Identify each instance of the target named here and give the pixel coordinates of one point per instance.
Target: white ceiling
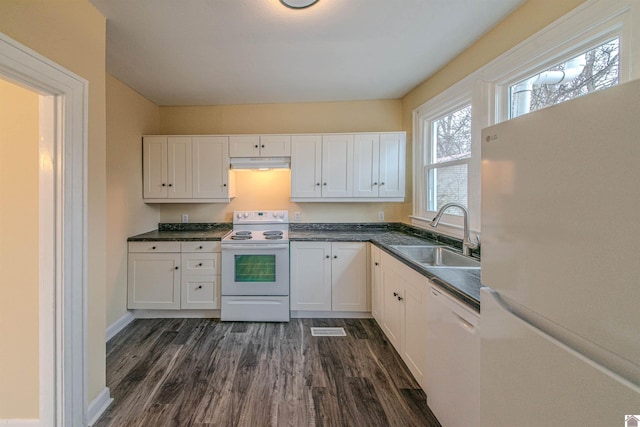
(213, 52)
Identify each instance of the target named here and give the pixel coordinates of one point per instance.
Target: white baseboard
(19, 423)
(98, 406)
(119, 325)
(176, 314)
(300, 314)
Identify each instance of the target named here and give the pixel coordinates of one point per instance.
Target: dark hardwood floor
(203, 372)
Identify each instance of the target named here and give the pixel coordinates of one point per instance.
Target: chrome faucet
(467, 244)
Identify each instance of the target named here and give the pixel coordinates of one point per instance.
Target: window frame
(590, 24)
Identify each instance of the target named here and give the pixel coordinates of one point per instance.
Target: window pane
(594, 70)
(447, 185)
(451, 136)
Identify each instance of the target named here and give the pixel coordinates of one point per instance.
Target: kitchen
(118, 211)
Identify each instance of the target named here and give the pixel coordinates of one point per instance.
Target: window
(595, 69)
(449, 151)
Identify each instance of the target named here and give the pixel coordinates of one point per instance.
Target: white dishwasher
(452, 371)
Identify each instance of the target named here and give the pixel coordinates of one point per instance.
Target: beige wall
(129, 115)
(270, 190)
(525, 21)
(18, 252)
(71, 33)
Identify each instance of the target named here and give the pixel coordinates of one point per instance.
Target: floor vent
(328, 332)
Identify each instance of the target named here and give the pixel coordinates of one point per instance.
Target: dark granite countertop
(464, 284)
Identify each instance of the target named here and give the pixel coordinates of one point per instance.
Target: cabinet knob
(395, 294)
(153, 247)
(262, 146)
(324, 183)
(177, 267)
(318, 184)
(224, 185)
(164, 185)
(399, 298)
(255, 146)
(170, 185)
(375, 183)
(335, 257)
(327, 256)
(200, 265)
(200, 287)
(376, 263)
(199, 247)
(382, 183)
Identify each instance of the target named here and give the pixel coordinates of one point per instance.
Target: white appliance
(560, 323)
(255, 268)
(452, 374)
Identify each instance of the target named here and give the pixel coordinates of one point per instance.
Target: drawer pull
(153, 247)
(200, 265)
(177, 267)
(200, 287)
(199, 247)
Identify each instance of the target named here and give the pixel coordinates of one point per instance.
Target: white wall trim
(98, 406)
(119, 325)
(63, 305)
(19, 423)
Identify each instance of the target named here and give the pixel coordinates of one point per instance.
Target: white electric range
(255, 267)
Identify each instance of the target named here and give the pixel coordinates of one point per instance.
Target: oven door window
(255, 268)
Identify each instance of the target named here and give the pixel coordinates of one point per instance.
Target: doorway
(61, 229)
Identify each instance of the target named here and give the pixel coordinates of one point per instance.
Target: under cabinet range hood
(260, 162)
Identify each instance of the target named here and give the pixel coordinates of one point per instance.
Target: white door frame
(63, 233)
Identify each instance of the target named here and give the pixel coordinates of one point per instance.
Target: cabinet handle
(327, 256)
(224, 185)
(153, 247)
(318, 184)
(170, 185)
(335, 257)
(199, 247)
(382, 183)
(395, 294)
(177, 267)
(164, 185)
(376, 264)
(200, 265)
(262, 146)
(399, 298)
(255, 146)
(375, 183)
(200, 287)
(324, 183)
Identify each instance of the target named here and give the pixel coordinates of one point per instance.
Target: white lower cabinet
(329, 276)
(404, 313)
(174, 275)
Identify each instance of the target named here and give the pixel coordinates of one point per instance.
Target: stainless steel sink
(436, 256)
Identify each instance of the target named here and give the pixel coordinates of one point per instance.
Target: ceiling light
(298, 4)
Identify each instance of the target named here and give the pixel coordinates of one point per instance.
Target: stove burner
(272, 233)
(243, 233)
(241, 237)
(273, 236)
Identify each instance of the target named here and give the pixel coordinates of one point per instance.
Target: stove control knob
(238, 215)
(246, 215)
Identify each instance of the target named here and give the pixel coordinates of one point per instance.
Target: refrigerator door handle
(600, 358)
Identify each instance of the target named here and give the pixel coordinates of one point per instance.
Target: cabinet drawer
(154, 247)
(201, 292)
(198, 264)
(200, 246)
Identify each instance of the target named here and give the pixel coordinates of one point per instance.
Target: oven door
(255, 269)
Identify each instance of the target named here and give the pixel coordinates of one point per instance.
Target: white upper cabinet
(185, 169)
(259, 146)
(359, 167)
(306, 166)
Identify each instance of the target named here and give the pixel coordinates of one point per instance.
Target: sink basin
(436, 256)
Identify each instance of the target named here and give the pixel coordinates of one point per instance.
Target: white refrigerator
(560, 310)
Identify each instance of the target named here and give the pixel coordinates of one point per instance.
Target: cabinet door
(306, 163)
(366, 164)
(392, 307)
(376, 283)
(349, 276)
(210, 167)
(311, 276)
(179, 167)
(154, 281)
(392, 165)
(275, 145)
(154, 167)
(337, 166)
(414, 342)
(244, 146)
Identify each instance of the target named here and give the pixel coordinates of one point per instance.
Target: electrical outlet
(296, 216)
(185, 218)
(381, 216)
